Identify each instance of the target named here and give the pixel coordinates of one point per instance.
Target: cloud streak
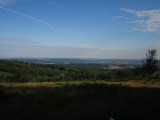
(145, 20)
(94, 46)
(27, 16)
(56, 4)
(6, 2)
(117, 17)
(14, 47)
(16, 41)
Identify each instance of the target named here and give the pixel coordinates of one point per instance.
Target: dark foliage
(82, 102)
(150, 63)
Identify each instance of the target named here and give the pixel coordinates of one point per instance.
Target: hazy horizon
(29, 58)
(97, 29)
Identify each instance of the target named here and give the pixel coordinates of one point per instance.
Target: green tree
(22, 76)
(150, 63)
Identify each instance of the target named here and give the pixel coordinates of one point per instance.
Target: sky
(105, 29)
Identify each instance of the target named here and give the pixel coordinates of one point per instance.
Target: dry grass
(59, 84)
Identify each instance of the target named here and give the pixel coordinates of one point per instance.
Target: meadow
(80, 100)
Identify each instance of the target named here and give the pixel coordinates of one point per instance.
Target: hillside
(16, 71)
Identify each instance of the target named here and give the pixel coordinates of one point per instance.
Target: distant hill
(77, 61)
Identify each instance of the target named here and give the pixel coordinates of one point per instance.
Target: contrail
(35, 19)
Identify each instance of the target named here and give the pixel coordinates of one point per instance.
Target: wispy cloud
(93, 46)
(56, 4)
(27, 16)
(145, 20)
(14, 47)
(127, 10)
(117, 17)
(6, 2)
(16, 41)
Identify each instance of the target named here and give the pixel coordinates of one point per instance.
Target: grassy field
(80, 100)
(77, 83)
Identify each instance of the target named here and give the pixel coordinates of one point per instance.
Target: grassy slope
(78, 100)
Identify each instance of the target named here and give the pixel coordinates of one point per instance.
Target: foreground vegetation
(134, 84)
(78, 100)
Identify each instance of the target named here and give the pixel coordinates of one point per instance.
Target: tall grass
(78, 100)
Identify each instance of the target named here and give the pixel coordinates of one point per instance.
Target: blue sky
(122, 29)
